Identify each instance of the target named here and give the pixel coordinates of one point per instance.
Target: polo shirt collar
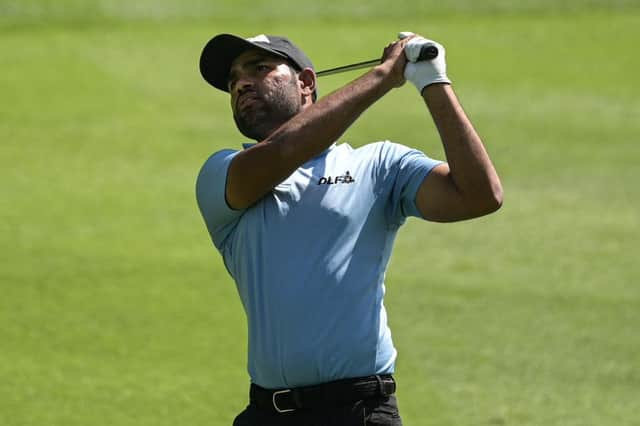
(247, 145)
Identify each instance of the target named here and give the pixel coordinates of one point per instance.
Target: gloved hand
(424, 73)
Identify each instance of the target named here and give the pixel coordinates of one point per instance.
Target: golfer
(305, 224)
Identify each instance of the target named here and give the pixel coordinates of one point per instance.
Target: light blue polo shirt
(309, 260)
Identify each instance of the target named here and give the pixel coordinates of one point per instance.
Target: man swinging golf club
(306, 225)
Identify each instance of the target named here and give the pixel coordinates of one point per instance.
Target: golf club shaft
(427, 53)
(345, 68)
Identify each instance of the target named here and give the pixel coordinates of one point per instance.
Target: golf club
(427, 53)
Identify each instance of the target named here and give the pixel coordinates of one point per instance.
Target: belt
(329, 394)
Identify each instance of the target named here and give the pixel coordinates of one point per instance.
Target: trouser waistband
(329, 394)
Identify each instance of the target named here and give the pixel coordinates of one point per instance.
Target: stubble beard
(276, 107)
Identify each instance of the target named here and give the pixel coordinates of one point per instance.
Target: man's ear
(307, 79)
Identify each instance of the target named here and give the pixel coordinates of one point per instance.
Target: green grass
(284, 11)
(116, 309)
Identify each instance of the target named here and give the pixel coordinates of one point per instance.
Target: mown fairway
(115, 309)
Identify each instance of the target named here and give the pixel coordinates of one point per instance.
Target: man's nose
(243, 85)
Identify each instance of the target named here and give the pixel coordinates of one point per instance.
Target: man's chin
(258, 124)
(255, 132)
(258, 137)
(255, 127)
(248, 126)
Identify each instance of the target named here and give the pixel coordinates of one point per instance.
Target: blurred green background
(115, 309)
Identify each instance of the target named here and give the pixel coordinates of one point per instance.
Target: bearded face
(264, 94)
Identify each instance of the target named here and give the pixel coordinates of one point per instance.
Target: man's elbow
(494, 199)
(485, 202)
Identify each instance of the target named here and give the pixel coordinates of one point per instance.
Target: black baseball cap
(223, 49)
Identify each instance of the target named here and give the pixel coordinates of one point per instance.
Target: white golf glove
(424, 73)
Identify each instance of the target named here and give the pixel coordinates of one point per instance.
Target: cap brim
(218, 55)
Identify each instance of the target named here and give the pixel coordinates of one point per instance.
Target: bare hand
(394, 61)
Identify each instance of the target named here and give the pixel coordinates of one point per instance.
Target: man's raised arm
(467, 186)
(257, 170)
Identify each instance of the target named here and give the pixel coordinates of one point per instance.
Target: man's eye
(262, 68)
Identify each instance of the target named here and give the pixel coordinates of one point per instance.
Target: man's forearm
(257, 170)
(313, 130)
(472, 171)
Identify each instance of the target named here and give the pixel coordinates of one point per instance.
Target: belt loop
(384, 390)
(379, 380)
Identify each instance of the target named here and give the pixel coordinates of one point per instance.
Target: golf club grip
(427, 52)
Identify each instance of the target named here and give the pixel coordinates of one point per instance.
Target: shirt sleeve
(210, 194)
(407, 169)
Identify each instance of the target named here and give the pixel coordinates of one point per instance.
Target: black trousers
(381, 411)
